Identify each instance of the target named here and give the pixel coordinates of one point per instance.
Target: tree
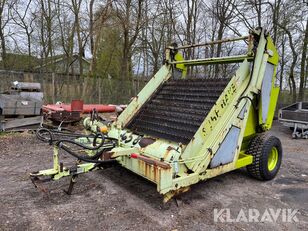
(293, 64)
(76, 4)
(65, 23)
(45, 24)
(303, 61)
(223, 11)
(5, 7)
(109, 52)
(97, 23)
(153, 37)
(129, 14)
(91, 25)
(25, 21)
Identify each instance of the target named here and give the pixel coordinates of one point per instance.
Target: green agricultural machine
(180, 130)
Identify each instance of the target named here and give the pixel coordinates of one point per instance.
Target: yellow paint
(179, 57)
(251, 123)
(272, 107)
(272, 159)
(243, 160)
(274, 59)
(103, 129)
(219, 108)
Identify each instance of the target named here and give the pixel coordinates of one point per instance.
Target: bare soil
(116, 199)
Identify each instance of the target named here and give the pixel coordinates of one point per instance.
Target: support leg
(71, 186)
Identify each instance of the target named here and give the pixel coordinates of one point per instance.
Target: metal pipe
(215, 60)
(214, 42)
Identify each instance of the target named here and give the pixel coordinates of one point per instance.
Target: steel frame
(173, 167)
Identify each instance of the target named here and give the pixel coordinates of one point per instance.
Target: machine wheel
(267, 154)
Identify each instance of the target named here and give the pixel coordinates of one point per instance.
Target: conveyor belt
(178, 108)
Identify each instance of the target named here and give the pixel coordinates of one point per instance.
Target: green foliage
(20, 62)
(109, 53)
(285, 97)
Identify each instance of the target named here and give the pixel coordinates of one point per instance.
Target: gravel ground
(116, 199)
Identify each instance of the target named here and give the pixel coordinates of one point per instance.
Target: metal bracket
(71, 185)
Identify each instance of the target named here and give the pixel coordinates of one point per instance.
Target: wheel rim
(272, 159)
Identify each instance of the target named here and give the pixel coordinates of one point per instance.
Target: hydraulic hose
(39, 135)
(98, 135)
(79, 157)
(53, 133)
(60, 143)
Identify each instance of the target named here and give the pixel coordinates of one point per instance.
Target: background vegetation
(125, 39)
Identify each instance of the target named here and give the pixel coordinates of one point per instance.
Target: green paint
(189, 163)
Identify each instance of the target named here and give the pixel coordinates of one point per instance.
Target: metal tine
(178, 108)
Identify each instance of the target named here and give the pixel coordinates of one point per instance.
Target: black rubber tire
(260, 148)
(298, 129)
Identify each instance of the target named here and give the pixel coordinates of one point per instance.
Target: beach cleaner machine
(181, 130)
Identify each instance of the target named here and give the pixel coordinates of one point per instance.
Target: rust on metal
(38, 183)
(65, 116)
(173, 193)
(213, 42)
(153, 162)
(168, 152)
(151, 172)
(106, 155)
(146, 141)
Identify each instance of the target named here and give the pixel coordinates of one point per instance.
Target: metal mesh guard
(177, 109)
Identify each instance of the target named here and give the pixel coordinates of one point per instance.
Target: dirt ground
(116, 199)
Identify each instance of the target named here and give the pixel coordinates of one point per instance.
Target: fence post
(53, 88)
(99, 90)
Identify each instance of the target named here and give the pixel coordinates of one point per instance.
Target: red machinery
(70, 113)
(77, 105)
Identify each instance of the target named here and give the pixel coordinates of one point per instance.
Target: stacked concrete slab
(20, 107)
